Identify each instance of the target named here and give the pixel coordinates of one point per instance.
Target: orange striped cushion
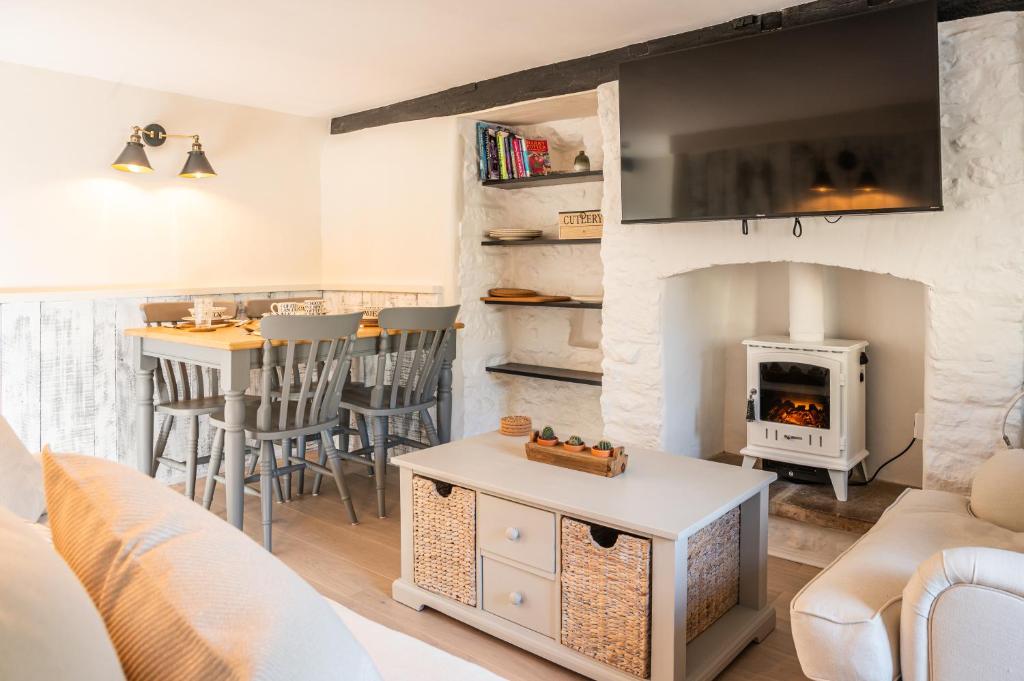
(185, 595)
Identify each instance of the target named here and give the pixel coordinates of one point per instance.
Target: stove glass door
(794, 393)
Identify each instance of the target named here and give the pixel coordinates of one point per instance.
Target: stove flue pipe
(806, 302)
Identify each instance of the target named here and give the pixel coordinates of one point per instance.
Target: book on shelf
(503, 154)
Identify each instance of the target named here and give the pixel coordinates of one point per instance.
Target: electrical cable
(832, 222)
(745, 227)
(861, 483)
(798, 228)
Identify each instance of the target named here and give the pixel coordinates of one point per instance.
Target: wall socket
(919, 425)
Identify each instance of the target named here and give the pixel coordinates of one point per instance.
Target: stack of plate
(516, 426)
(514, 234)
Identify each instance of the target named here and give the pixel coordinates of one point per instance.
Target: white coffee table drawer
(521, 533)
(519, 596)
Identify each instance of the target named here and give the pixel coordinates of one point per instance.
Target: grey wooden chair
(255, 308)
(322, 348)
(183, 392)
(406, 380)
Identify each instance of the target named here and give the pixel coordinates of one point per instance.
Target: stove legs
(838, 479)
(749, 461)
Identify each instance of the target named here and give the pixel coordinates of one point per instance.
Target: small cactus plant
(575, 444)
(548, 433)
(604, 446)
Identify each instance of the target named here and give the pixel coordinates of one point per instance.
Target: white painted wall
(390, 198)
(68, 220)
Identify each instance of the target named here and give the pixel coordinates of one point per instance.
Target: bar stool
(405, 383)
(320, 349)
(183, 393)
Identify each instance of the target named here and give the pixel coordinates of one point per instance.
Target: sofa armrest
(961, 617)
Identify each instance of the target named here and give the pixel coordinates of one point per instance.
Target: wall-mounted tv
(835, 117)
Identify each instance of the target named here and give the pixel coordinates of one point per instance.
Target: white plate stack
(511, 234)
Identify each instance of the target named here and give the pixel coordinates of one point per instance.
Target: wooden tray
(511, 292)
(605, 466)
(524, 299)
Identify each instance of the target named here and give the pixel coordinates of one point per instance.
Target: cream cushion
(21, 484)
(49, 629)
(846, 620)
(997, 493)
(184, 594)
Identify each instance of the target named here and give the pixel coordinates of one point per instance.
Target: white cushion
(21, 481)
(402, 658)
(49, 629)
(184, 594)
(846, 620)
(997, 493)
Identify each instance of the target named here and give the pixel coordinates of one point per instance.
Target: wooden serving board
(605, 466)
(524, 299)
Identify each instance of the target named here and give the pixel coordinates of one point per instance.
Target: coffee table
(515, 526)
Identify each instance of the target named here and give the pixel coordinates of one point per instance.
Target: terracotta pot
(574, 448)
(604, 453)
(547, 443)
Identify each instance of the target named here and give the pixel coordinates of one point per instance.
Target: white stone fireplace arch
(968, 257)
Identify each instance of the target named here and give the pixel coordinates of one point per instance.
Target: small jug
(582, 163)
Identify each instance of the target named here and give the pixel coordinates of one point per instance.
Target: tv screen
(835, 117)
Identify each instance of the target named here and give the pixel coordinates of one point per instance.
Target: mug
(315, 307)
(286, 308)
(202, 312)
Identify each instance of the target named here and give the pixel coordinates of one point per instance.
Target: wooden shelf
(545, 180)
(549, 373)
(569, 304)
(541, 242)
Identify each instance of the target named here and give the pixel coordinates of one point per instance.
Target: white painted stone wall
(969, 257)
(545, 336)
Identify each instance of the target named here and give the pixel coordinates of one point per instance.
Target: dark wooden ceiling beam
(586, 73)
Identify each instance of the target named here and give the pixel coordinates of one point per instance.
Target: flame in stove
(799, 410)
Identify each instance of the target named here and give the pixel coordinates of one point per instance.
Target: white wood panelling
(66, 376)
(19, 352)
(66, 371)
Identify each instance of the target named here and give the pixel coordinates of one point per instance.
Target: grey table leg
(234, 379)
(144, 367)
(444, 401)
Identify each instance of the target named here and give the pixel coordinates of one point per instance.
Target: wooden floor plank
(355, 565)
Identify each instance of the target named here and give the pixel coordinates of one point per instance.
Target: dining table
(235, 351)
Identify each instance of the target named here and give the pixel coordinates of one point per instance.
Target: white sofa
(931, 592)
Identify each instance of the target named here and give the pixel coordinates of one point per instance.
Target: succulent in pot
(575, 444)
(547, 437)
(602, 448)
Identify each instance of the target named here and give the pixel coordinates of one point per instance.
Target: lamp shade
(196, 165)
(133, 159)
(822, 181)
(867, 182)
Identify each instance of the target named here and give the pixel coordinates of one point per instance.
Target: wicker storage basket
(444, 539)
(606, 596)
(712, 573)
(606, 588)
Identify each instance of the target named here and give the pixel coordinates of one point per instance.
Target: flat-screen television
(829, 118)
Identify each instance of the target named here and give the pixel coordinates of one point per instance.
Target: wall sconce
(133, 159)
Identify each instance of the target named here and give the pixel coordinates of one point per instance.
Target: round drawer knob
(515, 598)
(512, 534)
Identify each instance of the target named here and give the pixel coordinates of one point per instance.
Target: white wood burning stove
(806, 404)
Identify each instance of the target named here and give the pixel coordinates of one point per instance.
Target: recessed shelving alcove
(540, 359)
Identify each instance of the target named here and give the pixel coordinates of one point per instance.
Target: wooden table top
(226, 338)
